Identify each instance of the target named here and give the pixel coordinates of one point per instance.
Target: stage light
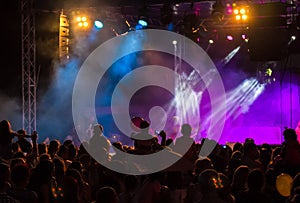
(268, 72)
(229, 8)
(229, 37)
(83, 19)
(242, 11)
(244, 36)
(293, 37)
(85, 24)
(211, 41)
(143, 23)
(244, 17)
(98, 24)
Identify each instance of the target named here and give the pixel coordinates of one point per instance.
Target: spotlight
(242, 11)
(229, 8)
(293, 37)
(83, 18)
(211, 41)
(268, 72)
(236, 11)
(265, 73)
(229, 37)
(85, 24)
(98, 24)
(244, 17)
(143, 23)
(82, 21)
(244, 36)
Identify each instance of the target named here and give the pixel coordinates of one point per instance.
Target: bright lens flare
(78, 19)
(236, 11)
(242, 11)
(83, 18)
(244, 17)
(85, 24)
(80, 24)
(238, 17)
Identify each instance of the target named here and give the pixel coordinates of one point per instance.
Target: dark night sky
(10, 39)
(10, 78)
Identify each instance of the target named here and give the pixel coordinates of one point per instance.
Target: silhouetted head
(207, 179)
(256, 180)
(106, 195)
(238, 147)
(289, 134)
(53, 147)
(136, 123)
(5, 126)
(98, 129)
(144, 125)
(240, 176)
(186, 129)
(20, 174)
(251, 151)
(202, 164)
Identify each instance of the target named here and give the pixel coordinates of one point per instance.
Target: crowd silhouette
(65, 173)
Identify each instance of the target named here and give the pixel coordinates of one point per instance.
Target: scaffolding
(28, 66)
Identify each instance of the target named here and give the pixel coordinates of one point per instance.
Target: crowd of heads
(63, 172)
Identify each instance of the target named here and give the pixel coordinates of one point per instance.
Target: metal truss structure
(29, 82)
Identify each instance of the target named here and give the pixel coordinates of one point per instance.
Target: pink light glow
(229, 10)
(229, 37)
